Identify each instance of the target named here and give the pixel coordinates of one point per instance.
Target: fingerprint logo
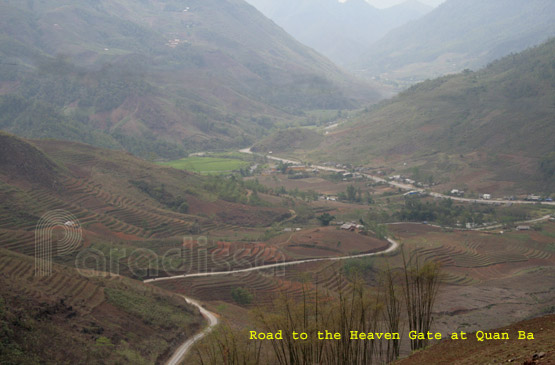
(56, 231)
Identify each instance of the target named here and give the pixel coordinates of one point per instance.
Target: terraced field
(481, 255)
(297, 281)
(77, 309)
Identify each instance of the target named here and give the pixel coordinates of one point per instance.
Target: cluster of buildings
(350, 226)
(406, 180)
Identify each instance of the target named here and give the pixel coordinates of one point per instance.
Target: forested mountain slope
(497, 123)
(159, 76)
(460, 34)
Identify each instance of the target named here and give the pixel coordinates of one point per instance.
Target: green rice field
(207, 165)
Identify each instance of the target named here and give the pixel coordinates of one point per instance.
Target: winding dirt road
(393, 246)
(182, 350)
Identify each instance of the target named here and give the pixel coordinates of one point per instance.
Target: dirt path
(393, 246)
(182, 350)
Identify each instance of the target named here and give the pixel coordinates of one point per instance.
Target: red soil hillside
(68, 317)
(540, 350)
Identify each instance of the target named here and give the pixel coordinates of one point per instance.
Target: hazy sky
(388, 3)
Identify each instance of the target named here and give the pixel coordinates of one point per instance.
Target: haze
(176, 175)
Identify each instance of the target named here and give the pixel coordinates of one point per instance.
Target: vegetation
(353, 195)
(159, 311)
(420, 286)
(289, 140)
(455, 37)
(207, 164)
(446, 213)
(241, 296)
(86, 320)
(356, 310)
(455, 126)
(120, 83)
(325, 219)
(162, 196)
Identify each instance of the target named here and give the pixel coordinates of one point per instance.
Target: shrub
(241, 296)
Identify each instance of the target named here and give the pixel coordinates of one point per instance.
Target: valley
(269, 246)
(185, 182)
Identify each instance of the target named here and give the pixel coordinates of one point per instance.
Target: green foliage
(226, 188)
(160, 194)
(241, 296)
(153, 310)
(446, 213)
(505, 108)
(37, 119)
(207, 164)
(359, 267)
(183, 207)
(352, 194)
(104, 341)
(325, 219)
(304, 213)
(129, 89)
(13, 331)
(547, 166)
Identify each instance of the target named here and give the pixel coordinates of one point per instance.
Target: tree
(351, 193)
(184, 207)
(241, 296)
(325, 219)
(420, 288)
(282, 167)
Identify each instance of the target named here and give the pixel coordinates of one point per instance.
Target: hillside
(159, 77)
(289, 140)
(537, 351)
(142, 201)
(68, 317)
(341, 31)
(457, 35)
(490, 129)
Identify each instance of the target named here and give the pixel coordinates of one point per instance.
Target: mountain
(339, 30)
(164, 76)
(489, 129)
(459, 34)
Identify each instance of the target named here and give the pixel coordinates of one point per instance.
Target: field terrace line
(185, 347)
(394, 245)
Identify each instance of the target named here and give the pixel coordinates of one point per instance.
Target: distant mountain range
(459, 34)
(341, 31)
(158, 77)
(492, 128)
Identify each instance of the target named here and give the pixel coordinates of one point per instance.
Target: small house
(348, 227)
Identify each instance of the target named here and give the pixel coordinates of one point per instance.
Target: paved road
(493, 226)
(408, 187)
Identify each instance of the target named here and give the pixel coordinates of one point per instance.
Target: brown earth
(326, 241)
(540, 350)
